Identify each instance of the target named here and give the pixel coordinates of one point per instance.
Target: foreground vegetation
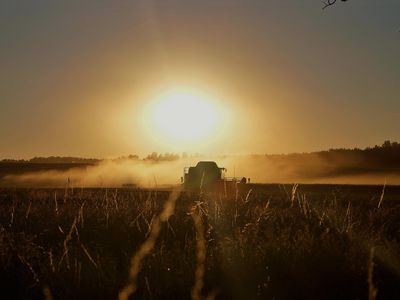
(272, 242)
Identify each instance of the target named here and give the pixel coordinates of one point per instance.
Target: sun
(184, 116)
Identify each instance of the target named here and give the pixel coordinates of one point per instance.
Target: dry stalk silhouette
(89, 256)
(382, 195)
(148, 245)
(47, 293)
(200, 254)
(68, 238)
(201, 251)
(372, 290)
(292, 198)
(30, 267)
(318, 222)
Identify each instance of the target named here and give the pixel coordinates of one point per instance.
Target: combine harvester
(207, 176)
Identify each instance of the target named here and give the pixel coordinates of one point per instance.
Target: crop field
(268, 242)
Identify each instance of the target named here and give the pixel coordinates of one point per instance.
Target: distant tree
(152, 156)
(58, 159)
(8, 160)
(170, 156)
(161, 157)
(387, 144)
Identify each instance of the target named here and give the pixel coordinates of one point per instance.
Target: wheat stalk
(382, 194)
(372, 290)
(147, 246)
(200, 255)
(294, 189)
(47, 293)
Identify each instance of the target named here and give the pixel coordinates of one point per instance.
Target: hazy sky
(75, 76)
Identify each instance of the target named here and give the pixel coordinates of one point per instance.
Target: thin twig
(328, 3)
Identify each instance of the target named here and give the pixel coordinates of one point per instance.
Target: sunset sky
(82, 78)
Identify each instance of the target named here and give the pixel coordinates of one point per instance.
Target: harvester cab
(206, 175)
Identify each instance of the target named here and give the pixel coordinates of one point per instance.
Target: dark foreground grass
(277, 242)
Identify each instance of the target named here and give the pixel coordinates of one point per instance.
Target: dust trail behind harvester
(146, 173)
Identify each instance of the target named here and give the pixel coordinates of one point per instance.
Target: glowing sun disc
(184, 115)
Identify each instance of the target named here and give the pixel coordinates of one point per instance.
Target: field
(272, 242)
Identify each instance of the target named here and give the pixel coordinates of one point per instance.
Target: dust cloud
(104, 174)
(146, 173)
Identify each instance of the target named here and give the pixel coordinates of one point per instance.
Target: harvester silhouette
(207, 176)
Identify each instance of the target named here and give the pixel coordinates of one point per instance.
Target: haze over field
(377, 165)
(111, 175)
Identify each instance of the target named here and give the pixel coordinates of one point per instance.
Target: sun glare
(185, 116)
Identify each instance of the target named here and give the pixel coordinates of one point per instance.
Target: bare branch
(328, 3)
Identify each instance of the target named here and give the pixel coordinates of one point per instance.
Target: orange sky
(76, 78)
